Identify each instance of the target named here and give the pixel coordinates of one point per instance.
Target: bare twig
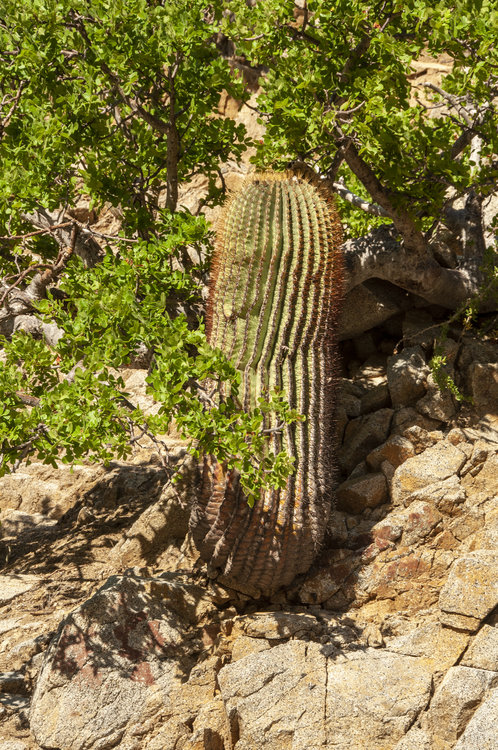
(253, 38)
(345, 114)
(47, 230)
(356, 200)
(15, 102)
(27, 400)
(20, 278)
(87, 247)
(353, 58)
(463, 140)
(112, 237)
(203, 394)
(272, 430)
(336, 164)
(39, 284)
(454, 101)
(25, 448)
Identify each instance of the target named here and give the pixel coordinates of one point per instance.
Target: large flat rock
(120, 659)
(295, 672)
(301, 695)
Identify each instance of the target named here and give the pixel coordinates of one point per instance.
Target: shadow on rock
(87, 530)
(124, 652)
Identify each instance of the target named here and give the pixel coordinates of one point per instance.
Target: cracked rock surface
(327, 700)
(113, 636)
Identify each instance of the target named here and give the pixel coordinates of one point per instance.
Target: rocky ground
(112, 636)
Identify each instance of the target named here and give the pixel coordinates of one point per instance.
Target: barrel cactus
(273, 307)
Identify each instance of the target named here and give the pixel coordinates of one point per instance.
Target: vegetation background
(118, 103)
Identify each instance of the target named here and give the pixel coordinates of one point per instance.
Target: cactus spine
(274, 292)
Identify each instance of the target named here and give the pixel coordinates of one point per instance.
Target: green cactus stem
(273, 309)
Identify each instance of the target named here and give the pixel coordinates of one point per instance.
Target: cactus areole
(273, 308)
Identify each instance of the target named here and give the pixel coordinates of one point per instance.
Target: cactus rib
(273, 307)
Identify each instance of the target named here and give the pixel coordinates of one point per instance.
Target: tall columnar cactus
(273, 308)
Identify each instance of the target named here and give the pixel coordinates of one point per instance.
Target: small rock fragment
(471, 590)
(483, 650)
(396, 450)
(362, 435)
(437, 403)
(15, 585)
(434, 464)
(406, 375)
(483, 377)
(368, 491)
(375, 398)
(422, 518)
